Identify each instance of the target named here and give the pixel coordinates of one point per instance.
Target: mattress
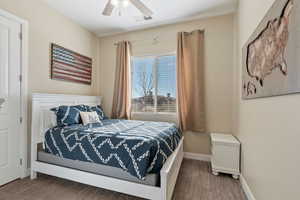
(150, 179)
(136, 147)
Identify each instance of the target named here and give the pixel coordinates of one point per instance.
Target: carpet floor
(195, 182)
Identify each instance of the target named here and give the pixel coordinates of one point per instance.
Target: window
(154, 84)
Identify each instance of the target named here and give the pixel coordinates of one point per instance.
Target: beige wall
(268, 128)
(218, 70)
(47, 26)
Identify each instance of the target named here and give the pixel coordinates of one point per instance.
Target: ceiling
(88, 13)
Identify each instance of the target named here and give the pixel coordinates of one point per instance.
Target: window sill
(155, 113)
(152, 116)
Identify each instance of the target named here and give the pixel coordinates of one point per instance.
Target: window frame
(155, 84)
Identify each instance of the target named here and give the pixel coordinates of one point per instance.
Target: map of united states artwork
(271, 56)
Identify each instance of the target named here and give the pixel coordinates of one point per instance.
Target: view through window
(154, 84)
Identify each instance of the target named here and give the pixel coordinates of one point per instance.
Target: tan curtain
(190, 83)
(122, 89)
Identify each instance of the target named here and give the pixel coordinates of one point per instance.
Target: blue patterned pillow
(99, 111)
(68, 115)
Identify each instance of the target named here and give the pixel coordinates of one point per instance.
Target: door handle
(2, 100)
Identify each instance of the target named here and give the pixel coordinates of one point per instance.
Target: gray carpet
(195, 182)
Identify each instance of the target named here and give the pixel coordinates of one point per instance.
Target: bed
(132, 157)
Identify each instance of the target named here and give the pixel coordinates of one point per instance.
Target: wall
(268, 128)
(218, 70)
(47, 26)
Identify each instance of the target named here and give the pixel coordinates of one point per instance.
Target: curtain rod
(154, 40)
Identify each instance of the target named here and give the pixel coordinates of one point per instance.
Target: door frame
(24, 172)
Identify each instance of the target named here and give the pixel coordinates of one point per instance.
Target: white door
(10, 46)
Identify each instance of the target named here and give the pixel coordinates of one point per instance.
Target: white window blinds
(154, 84)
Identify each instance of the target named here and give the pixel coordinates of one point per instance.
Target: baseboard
(197, 156)
(246, 188)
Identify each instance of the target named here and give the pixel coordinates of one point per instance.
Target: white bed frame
(168, 174)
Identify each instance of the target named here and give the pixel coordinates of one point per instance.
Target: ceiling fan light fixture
(125, 3)
(115, 3)
(120, 3)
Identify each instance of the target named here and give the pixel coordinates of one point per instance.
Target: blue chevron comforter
(135, 146)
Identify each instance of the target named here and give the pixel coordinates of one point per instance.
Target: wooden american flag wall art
(68, 65)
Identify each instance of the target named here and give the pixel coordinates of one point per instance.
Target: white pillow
(49, 119)
(89, 117)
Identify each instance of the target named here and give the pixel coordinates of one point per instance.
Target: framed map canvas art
(271, 56)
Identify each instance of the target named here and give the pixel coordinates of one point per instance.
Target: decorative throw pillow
(99, 111)
(50, 119)
(68, 115)
(89, 117)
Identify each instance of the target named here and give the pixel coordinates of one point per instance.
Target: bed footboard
(169, 172)
(168, 175)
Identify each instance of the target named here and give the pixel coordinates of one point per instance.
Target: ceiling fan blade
(108, 9)
(142, 7)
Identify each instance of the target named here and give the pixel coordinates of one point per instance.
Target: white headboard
(42, 102)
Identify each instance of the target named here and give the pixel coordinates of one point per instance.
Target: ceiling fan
(112, 4)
